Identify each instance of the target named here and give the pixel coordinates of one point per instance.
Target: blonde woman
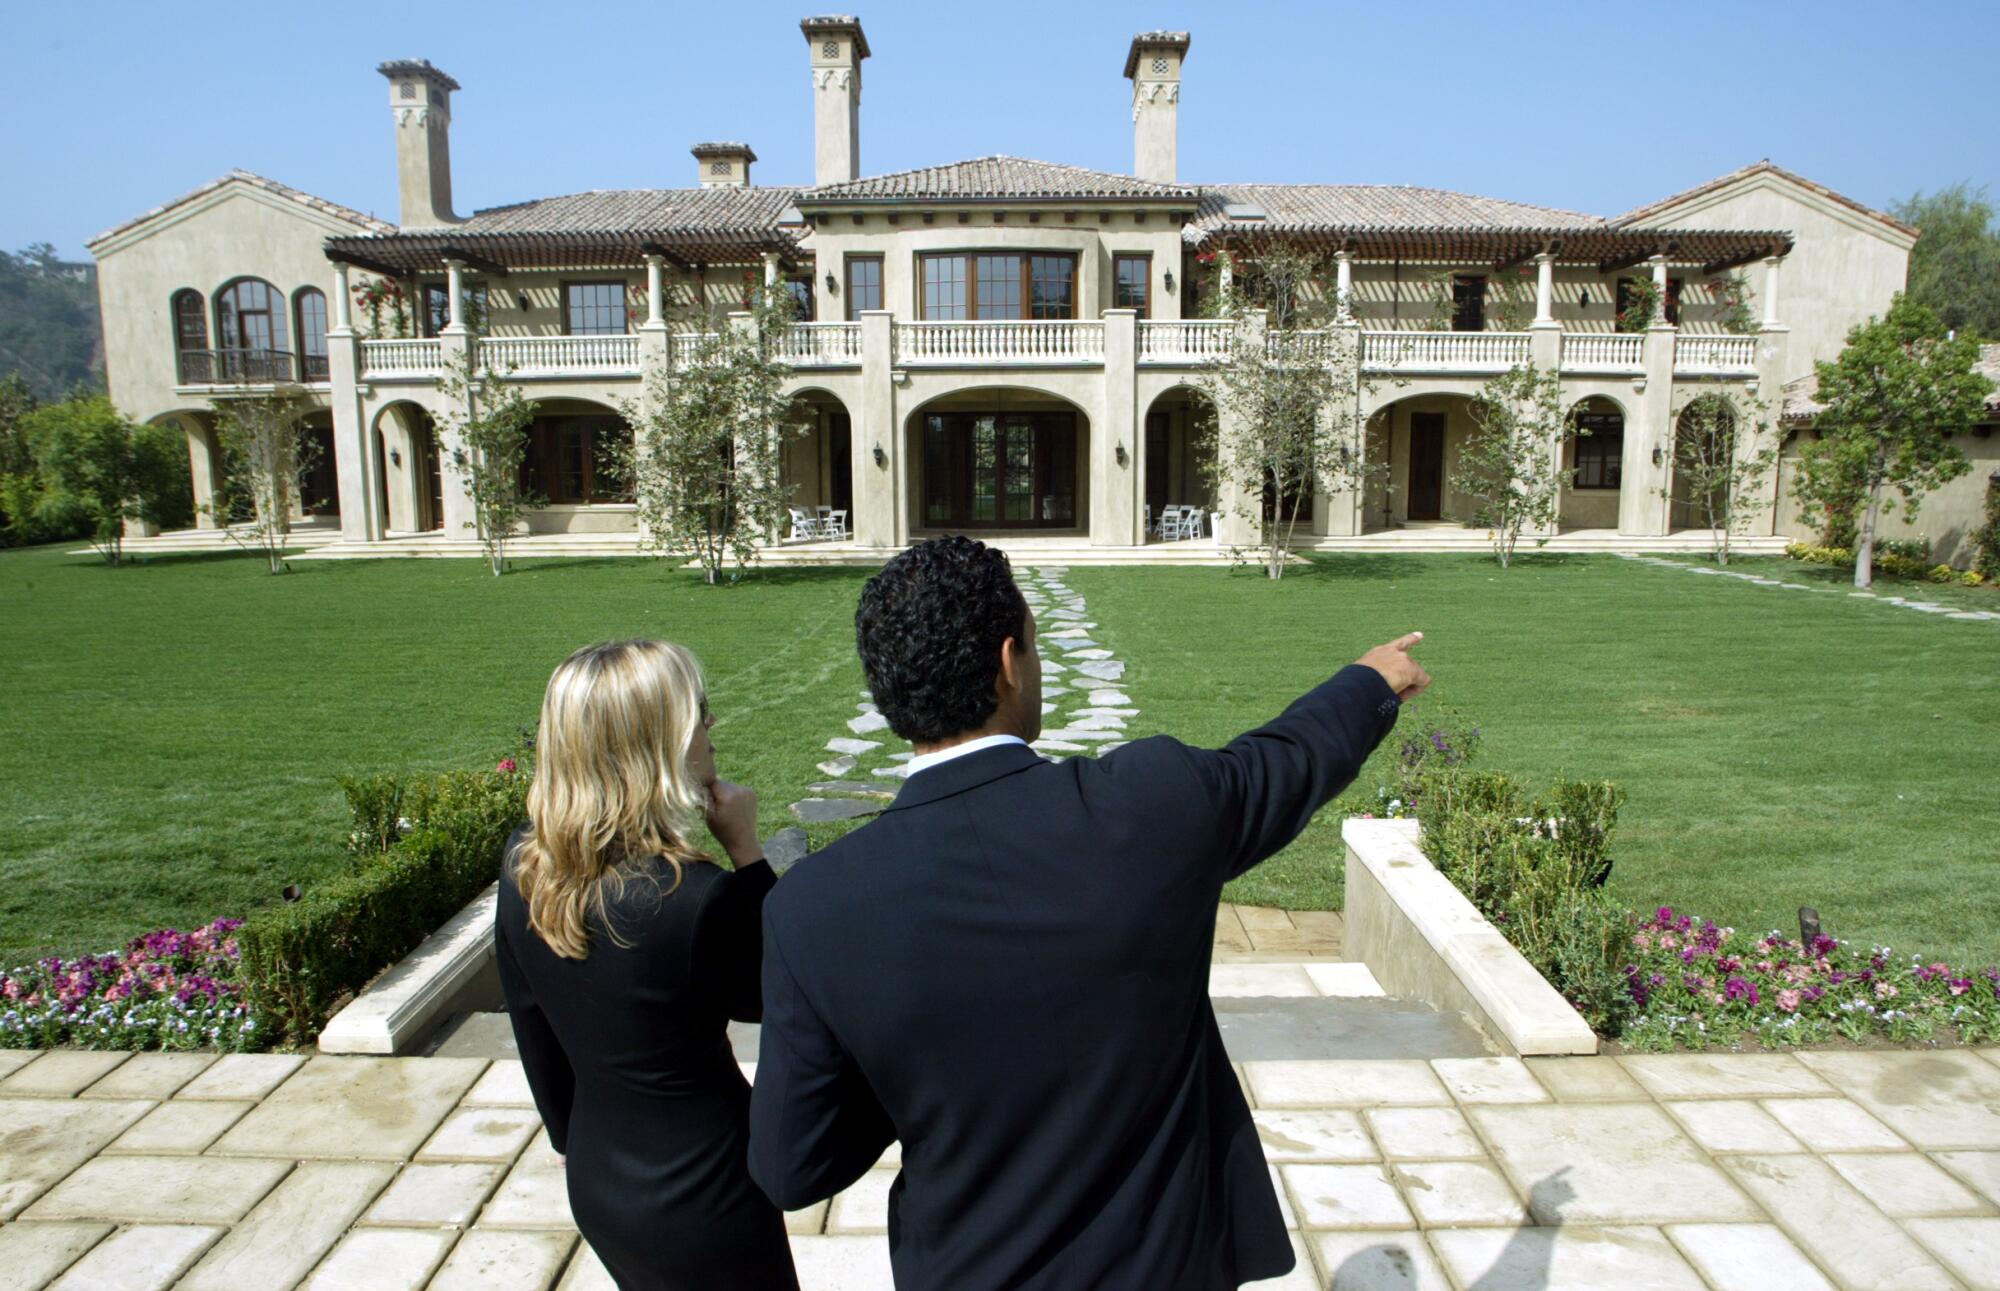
(625, 950)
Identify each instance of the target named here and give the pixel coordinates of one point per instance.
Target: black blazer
(627, 1055)
(1008, 971)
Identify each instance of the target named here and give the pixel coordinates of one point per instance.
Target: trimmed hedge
(303, 960)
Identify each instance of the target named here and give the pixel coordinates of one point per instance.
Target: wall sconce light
(882, 458)
(832, 284)
(1583, 298)
(1656, 454)
(1121, 452)
(1170, 282)
(521, 299)
(395, 457)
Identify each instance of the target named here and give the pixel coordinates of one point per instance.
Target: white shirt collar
(925, 761)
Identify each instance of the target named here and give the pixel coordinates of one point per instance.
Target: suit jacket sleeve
(815, 1125)
(550, 1078)
(728, 944)
(1268, 783)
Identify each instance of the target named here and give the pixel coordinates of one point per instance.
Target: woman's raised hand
(732, 818)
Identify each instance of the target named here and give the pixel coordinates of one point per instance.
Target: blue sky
(113, 108)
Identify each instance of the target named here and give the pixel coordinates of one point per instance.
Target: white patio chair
(1170, 523)
(1191, 522)
(804, 527)
(834, 526)
(1150, 527)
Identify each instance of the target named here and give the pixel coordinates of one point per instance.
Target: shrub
(301, 960)
(1906, 557)
(1986, 538)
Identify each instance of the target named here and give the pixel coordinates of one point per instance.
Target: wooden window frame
(1608, 466)
(624, 290)
(881, 281)
(1027, 257)
(1145, 305)
(310, 371)
(273, 310)
(1477, 301)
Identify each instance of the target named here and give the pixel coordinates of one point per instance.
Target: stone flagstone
(1344, 1196)
(819, 810)
(150, 1075)
(535, 1193)
(1728, 1075)
(32, 1254)
(292, 1228)
(1103, 669)
(867, 722)
(1746, 1257)
(586, 1272)
(1586, 1079)
(182, 1126)
(348, 1108)
(873, 788)
(1489, 1080)
(1971, 1247)
(1450, 1194)
(1336, 1136)
(1905, 1185)
(482, 1134)
(487, 1259)
(42, 1140)
(145, 1257)
(1398, 1260)
(1345, 1082)
(1732, 1125)
(839, 766)
(1832, 1125)
(161, 1190)
(845, 745)
(1531, 1259)
(435, 1196)
(60, 1073)
(505, 1084)
(376, 1259)
(1617, 1163)
(1938, 1100)
(1980, 1170)
(1850, 1238)
(242, 1075)
(843, 1262)
(864, 1206)
(1414, 1133)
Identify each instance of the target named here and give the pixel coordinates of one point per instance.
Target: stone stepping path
(1085, 710)
(1759, 580)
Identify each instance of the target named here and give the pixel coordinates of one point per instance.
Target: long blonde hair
(612, 786)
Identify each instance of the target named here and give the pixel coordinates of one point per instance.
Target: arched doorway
(816, 461)
(1704, 433)
(1180, 460)
(1593, 465)
(1000, 460)
(319, 478)
(577, 465)
(1420, 438)
(410, 478)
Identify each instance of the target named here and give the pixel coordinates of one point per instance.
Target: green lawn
(1779, 747)
(170, 733)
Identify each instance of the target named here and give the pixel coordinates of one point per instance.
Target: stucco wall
(1946, 518)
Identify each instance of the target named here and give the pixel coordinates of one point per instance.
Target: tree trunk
(1864, 542)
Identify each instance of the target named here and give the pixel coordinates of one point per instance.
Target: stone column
(1338, 513)
(1241, 523)
(204, 469)
(655, 362)
(770, 268)
(343, 303)
(878, 519)
(1649, 438)
(1545, 352)
(656, 290)
(1773, 370)
(454, 307)
(1659, 267)
(1343, 263)
(355, 461)
(461, 517)
(1117, 473)
(1771, 264)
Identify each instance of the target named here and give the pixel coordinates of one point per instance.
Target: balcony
(820, 345)
(1443, 351)
(1176, 344)
(1040, 343)
(561, 356)
(1620, 353)
(402, 360)
(1715, 356)
(237, 367)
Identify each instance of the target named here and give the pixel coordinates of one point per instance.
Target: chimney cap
(1175, 40)
(837, 24)
(420, 68)
(724, 148)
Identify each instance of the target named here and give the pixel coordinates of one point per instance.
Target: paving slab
(1337, 1136)
(864, 1206)
(1571, 1258)
(836, 766)
(482, 1134)
(285, 1236)
(161, 1190)
(820, 810)
(868, 723)
(1733, 1125)
(144, 1257)
(487, 1259)
(354, 1108)
(505, 1084)
(1730, 1075)
(786, 848)
(1969, 1247)
(43, 1139)
(853, 747)
(435, 1195)
(1853, 1242)
(807, 1220)
(1617, 1163)
(1906, 1185)
(871, 788)
(1939, 1100)
(1301, 1278)
(843, 1262)
(381, 1259)
(1747, 1257)
(150, 1075)
(535, 1193)
(1979, 1170)
(1260, 981)
(178, 1128)
(1458, 1194)
(33, 1254)
(1356, 1082)
(1489, 1080)
(1429, 1133)
(12, 1060)
(1356, 1260)
(60, 1073)
(243, 1075)
(1345, 1196)
(1347, 981)
(1833, 1125)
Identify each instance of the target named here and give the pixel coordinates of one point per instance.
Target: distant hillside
(49, 329)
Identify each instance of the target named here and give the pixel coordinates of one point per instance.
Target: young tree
(1284, 413)
(487, 429)
(91, 458)
(1713, 465)
(1955, 265)
(264, 458)
(703, 462)
(1895, 396)
(1510, 465)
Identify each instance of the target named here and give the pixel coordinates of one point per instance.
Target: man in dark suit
(1008, 969)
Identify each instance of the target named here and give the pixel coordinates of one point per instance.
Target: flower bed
(1694, 985)
(166, 990)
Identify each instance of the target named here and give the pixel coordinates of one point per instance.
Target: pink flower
(1668, 941)
(509, 765)
(1886, 991)
(1788, 1001)
(1642, 940)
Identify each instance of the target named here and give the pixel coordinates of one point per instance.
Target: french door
(1000, 470)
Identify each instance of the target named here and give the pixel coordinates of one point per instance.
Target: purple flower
(1738, 989)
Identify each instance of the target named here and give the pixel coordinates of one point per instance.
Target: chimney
(837, 50)
(723, 165)
(420, 96)
(1153, 65)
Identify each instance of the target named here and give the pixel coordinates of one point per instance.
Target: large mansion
(993, 344)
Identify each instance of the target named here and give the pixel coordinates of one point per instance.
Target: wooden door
(1426, 465)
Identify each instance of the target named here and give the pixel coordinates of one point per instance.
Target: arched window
(250, 335)
(311, 306)
(191, 358)
(1599, 428)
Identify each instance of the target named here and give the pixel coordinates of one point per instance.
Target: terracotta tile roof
(998, 178)
(1799, 398)
(320, 204)
(1327, 207)
(1640, 214)
(636, 209)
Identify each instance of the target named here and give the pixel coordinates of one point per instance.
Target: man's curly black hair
(929, 629)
